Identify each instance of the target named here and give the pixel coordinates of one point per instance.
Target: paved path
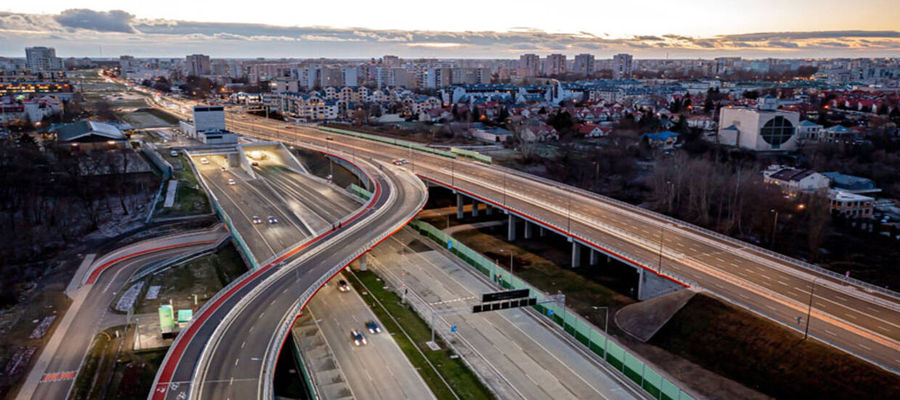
(89, 313)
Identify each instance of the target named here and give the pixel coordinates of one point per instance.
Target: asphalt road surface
(865, 324)
(519, 353)
(264, 300)
(377, 370)
(91, 315)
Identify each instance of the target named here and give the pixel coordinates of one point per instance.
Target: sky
(462, 28)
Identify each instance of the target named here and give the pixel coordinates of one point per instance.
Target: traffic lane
(376, 370)
(242, 202)
(276, 297)
(855, 311)
(304, 276)
(314, 194)
(527, 353)
(90, 317)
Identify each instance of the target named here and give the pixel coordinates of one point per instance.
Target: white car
(173, 153)
(231, 181)
(204, 161)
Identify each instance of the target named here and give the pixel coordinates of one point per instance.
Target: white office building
(209, 126)
(764, 128)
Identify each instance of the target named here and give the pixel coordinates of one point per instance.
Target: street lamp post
(662, 229)
(812, 290)
(774, 226)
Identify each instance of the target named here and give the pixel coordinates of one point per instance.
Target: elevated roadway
(229, 350)
(862, 320)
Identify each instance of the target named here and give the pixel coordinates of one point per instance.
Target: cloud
(101, 21)
(80, 31)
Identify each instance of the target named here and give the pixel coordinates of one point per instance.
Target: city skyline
(85, 32)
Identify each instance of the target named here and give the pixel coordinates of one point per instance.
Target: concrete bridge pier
(488, 210)
(529, 230)
(651, 285)
(541, 231)
(459, 206)
(576, 254)
(595, 257)
(474, 208)
(363, 262)
(511, 228)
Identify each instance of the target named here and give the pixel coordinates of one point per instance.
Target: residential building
(390, 61)
(350, 76)
(42, 59)
(435, 78)
(197, 65)
(622, 66)
(809, 130)
(851, 205)
(793, 181)
(584, 64)
(764, 128)
(530, 64)
(555, 64)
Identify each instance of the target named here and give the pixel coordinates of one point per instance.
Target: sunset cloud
(81, 31)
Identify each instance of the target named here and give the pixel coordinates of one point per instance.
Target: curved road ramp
(231, 347)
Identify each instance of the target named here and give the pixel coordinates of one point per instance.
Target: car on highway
(329, 138)
(173, 153)
(231, 181)
(343, 286)
(273, 220)
(400, 161)
(204, 161)
(358, 338)
(373, 327)
(256, 219)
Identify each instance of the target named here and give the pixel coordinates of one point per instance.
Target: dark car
(343, 286)
(373, 327)
(357, 337)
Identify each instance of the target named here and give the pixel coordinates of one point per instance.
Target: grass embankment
(112, 371)
(203, 276)
(769, 358)
(190, 199)
(581, 287)
(400, 320)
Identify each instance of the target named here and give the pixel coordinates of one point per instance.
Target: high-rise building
(584, 64)
(555, 64)
(350, 76)
(622, 66)
(435, 78)
(391, 61)
(42, 59)
(196, 65)
(530, 64)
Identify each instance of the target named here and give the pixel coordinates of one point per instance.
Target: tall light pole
(568, 213)
(662, 229)
(812, 290)
(774, 226)
(504, 186)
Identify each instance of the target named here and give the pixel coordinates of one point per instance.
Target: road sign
(449, 245)
(503, 305)
(505, 295)
(549, 312)
(453, 328)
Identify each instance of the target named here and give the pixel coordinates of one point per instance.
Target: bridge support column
(488, 210)
(511, 228)
(651, 285)
(474, 208)
(595, 257)
(363, 262)
(459, 206)
(529, 229)
(541, 231)
(576, 254)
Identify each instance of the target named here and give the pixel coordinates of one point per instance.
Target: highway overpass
(230, 349)
(848, 314)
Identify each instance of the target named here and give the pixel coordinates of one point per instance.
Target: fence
(395, 142)
(355, 189)
(576, 326)
(471, 154)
